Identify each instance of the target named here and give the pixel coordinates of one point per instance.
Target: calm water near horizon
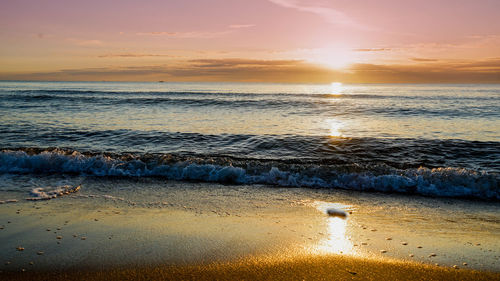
(434, 140)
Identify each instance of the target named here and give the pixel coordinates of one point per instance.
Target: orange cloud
(286, 71)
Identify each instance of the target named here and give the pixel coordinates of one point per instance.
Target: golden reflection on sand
(336, 240)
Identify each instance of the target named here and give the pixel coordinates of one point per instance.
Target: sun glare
(334, 57)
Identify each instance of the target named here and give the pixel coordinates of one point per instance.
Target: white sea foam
(449, 182)
(41, 193)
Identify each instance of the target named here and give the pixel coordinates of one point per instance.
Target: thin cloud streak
(186, 35)
(236, 26)
(85, 42)
(330, 15)
(133, 55)
(423, 60)
(373, 50)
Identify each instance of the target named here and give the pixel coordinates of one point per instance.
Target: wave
(300, 107)
(439, 182)
(401, 153)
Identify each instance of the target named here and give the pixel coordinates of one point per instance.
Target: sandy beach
(182, 230)
(300, 268)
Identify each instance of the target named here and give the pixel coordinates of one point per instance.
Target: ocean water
(431, 140)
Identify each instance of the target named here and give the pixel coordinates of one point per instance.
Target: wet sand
(210, 231)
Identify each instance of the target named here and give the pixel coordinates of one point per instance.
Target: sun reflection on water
(335, 127)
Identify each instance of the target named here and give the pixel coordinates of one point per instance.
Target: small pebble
(48, 229)
(383, 251)
(432, 255)
(40, 253)
(420, 247)
(411, 255)
(19, 248)
(388, 238)
(59, 237)
(75, 235)
(32, 263)
(95, 219)
(373, 229)
(404, 243)
(84, 238)
(364, 243)
(464, 264)
(7, 262)
(455, 266)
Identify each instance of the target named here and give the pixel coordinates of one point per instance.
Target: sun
(336, 87)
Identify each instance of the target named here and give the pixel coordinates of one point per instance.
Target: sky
(291, 41)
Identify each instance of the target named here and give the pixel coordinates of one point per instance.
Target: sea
(411, 139)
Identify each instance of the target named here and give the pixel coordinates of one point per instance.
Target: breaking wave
(438, 182)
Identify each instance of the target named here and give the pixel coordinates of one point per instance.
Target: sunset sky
(312, 41)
